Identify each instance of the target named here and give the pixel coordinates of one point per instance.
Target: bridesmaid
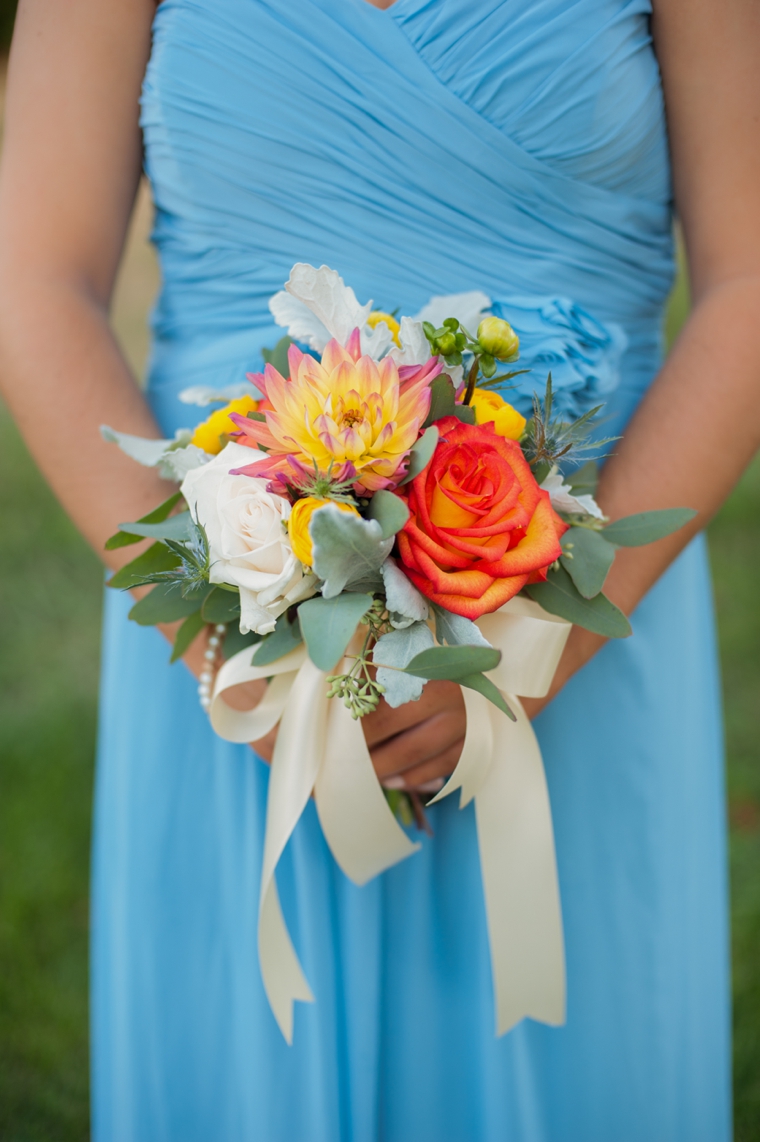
(515, 146)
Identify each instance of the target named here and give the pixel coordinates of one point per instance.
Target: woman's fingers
(430, 776)
(385, 723)
(422, 744)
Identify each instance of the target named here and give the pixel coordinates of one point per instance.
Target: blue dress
(513, 146)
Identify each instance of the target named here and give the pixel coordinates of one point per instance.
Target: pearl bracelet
(211, 654)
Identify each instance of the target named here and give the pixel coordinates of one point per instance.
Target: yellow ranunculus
(208, 435)
(507, 421)
(498, 338)
(298, 524)
(377, 316)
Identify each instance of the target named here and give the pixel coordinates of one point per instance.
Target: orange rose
(480, 527)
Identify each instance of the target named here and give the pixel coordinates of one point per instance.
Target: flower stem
(471, 379)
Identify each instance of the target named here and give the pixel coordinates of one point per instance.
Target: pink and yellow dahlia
(347, 415)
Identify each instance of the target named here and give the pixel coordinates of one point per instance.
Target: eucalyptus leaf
(234, 641)
(465, 413)
(583, 480)
(328, 625)
(285, 637)
(421, 453)
(389, 511)
(346, 548)
(646, 527)
(453, 662)
(278, 357)
(397, 649)
(121, 539)
(442, 399)
(587, 558)
(559, 596)
(190, 629)
(164, 604)
(177, 527)
(156, 558)
(489, 690)
(221, 606)
(456, 630)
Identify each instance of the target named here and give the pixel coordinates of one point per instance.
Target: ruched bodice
(516, 147)
(513, 147)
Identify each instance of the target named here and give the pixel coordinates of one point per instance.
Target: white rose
(563, 500)
(247, 535)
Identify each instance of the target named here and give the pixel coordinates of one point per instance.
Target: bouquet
(369, 514)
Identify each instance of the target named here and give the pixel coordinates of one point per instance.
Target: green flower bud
(498, 338)
(447, 343)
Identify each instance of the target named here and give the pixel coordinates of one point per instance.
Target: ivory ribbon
(321, 748)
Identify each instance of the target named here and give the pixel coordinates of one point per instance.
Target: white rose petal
(563, 500)
(249, 546)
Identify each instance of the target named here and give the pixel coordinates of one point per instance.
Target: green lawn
(50, 591)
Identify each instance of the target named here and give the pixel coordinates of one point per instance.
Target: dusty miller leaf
(398, 648)
(346, 548)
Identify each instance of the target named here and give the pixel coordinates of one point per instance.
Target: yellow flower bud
(377, 316)
(498, 338)
(507, 421)
(298, 525)
(208, 435)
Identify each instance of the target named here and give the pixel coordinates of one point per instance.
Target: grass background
(50, 587)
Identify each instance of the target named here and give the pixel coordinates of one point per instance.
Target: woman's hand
(416, 746)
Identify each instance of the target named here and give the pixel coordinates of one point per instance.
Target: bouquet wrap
(321, 748)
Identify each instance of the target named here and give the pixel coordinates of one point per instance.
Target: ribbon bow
(321, 748)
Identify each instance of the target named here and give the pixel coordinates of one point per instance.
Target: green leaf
(442, 399)
(178, 527)
(328, 626)
(164, 604)
(398, 648)
(234, 641)
(390, 512)
(278, 357)
(453, 662)
(346, 548)
(190, 629)
(646, 527)
(156, 558)
(256, 416)
(456, 630)
(583, 480)
(285, 637)
(465, 413)
(121, 539)
(421, 453)
(221, 606)
(559, 596)
(489, 690)
(587, 558)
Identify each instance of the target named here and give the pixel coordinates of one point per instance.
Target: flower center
(352, 417)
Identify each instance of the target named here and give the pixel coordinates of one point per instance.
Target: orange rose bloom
(480, 527)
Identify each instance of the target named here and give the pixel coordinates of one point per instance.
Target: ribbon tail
(477, 752)
(519, 872)
(363, 834)
(297, 757)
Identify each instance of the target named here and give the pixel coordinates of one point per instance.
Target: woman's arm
(70, 168)
(699, 425)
